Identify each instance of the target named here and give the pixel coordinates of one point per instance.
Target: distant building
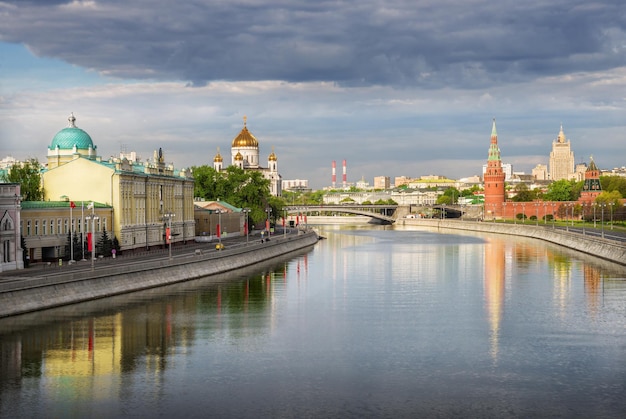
(540, 172)
(561, 158)
(382, 182)
(296, 185)
(591, 187)
(245, 155)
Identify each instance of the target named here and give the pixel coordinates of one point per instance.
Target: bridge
(383, 213)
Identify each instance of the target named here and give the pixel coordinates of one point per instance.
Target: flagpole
(82, 230)
(71, 234)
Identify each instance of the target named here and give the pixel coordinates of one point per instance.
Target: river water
(372, 322)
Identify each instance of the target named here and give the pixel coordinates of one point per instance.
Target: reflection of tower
(494, 290)
(593, 283)
(344, 179)
(334, 174)
(494, 177)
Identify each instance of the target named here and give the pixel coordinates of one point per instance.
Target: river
(372, 322)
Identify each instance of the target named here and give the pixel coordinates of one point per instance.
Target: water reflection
(371, 321)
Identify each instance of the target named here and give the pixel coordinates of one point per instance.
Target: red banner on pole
(168, 236)
(89, 242)
(72, 204)
(219, 233)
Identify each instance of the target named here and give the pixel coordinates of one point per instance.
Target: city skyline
(399, 89)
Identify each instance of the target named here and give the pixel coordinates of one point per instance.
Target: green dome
(71, 136)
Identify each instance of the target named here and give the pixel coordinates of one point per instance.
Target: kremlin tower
(494, 178)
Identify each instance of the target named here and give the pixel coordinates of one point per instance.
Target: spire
(71, 119)
(245, 119)
(494, 151)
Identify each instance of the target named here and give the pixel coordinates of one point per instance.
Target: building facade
(146, 197)
(244, 153)
(11, 257)
(561, 158)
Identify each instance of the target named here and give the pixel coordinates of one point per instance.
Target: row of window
(60, 226)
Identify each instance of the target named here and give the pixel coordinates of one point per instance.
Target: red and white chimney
(345, 176)
(334, 173)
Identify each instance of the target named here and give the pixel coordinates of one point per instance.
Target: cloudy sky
(395, 87)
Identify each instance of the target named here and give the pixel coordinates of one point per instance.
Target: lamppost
(284, 223)
(504, 210)
(91, 243)
(602, 219)
(611, 208)
(443, 211)
(537, 214)
(16, 228)
(247, 225)
(553, 215)
(594, 214)
(524, 212)
(268, 210)
(545, 220)
(583, 205)
(514, 212)
(168, 233)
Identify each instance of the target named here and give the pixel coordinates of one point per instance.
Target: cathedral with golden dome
(244, 152)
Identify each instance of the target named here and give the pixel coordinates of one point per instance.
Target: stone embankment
(46, 290)
(612, 250)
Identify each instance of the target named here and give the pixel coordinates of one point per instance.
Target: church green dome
(71, 136)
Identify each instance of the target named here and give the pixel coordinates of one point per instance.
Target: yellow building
(45, 226)
(146, 197)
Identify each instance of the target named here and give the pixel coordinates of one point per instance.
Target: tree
(613, 183)
(560, 190)
(104, 245)
(238, 187)
(28, 175)
(523, 193)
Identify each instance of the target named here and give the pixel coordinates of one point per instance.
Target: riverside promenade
(44, 286)
(611, 247)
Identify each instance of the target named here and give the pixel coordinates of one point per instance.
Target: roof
(71, 137)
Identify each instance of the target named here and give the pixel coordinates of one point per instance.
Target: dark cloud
(435, 43)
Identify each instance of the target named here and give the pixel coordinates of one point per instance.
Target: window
(44, 225)
(36, 227)
(59, 225)
(51, 227)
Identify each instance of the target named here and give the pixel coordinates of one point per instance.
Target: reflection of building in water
(593, 288)
(494, 285)
(562, 274)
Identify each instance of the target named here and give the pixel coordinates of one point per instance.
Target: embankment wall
(611, 250)
(43, 292)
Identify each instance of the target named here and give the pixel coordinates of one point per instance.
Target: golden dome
(272, 156)
(218, 157)
(238, 156)
(245, 139)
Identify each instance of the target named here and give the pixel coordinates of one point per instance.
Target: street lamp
(514, 212)
(268, 210)
(602, 219)
(168, 232)
(247, 225)
(553, 215)
(524, 212)
(537, 214)
(91, 243)
(284, 223)
(611, 208)
(583, 216)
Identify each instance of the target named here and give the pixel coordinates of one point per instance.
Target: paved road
(178, 250)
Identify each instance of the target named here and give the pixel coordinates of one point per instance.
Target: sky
(394, 87)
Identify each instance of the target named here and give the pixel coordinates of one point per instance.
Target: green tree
(28, 175)
(560, 190)
(523, 193)
(104, 244)
(238, 187)
(613, 183)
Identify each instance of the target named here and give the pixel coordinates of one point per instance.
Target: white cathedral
(244, 152)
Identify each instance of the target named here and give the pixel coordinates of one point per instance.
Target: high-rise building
(561, 158)
(494, 178)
